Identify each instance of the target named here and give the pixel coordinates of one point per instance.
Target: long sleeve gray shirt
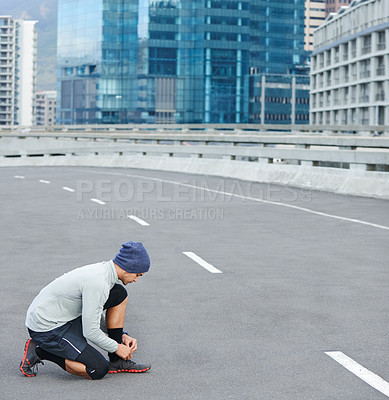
(82, 291)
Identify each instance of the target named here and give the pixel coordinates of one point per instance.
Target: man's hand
(123, 351)
(130, 342)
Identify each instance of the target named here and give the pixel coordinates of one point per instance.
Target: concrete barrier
(346, 165)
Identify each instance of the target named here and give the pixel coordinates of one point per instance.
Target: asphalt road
(294, 284)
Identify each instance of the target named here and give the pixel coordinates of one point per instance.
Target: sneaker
(127, 366)
(29, 364)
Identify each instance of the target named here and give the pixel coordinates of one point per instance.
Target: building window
(381, 44)
(162, 61)
(366, 44)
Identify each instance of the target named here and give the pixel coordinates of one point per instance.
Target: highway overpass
(256, 290)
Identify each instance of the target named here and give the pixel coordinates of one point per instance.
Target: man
(67, 313)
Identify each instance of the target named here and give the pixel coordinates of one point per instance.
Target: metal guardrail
(304, 148)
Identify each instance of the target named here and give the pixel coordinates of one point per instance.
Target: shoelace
(35, 368)
(126, 363)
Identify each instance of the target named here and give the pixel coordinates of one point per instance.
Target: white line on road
(68, 189)
(19, 177)
(138, 220)
(276, 203)
(202, 262)
(361, 372)
(43, 181)
(98, 201)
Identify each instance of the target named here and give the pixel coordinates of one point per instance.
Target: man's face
(130, 278)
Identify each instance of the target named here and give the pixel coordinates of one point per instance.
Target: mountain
(44, 11)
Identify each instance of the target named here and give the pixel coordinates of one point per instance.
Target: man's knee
(120, 293)
(95, 363)
(99, 372)
(117, 295)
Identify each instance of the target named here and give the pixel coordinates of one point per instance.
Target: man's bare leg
(115, 320)
(115, 316)
(76, 368)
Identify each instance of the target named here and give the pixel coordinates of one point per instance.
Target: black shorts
(68, 341)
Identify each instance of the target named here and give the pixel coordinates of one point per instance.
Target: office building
(45, 107)
(350, 66)
(315, 14)
(18, 45)
(171, 61)
(285, 99)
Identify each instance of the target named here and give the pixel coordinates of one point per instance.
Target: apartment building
(45, 107)
(350, 66)
(315, 14)
(18, 51)
(332, 6)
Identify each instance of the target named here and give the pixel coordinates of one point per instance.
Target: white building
(350, 66)
(45, 106)
(18, 52)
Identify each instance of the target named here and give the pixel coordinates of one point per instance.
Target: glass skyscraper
(171, 61)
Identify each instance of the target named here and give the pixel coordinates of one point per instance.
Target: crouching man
(67, 313)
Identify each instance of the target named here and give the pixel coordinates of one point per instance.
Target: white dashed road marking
(202, 262)
(43, 181)
(138, 220)
(68, 189)
(98, 201)
(361, 372)
(19, 177)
